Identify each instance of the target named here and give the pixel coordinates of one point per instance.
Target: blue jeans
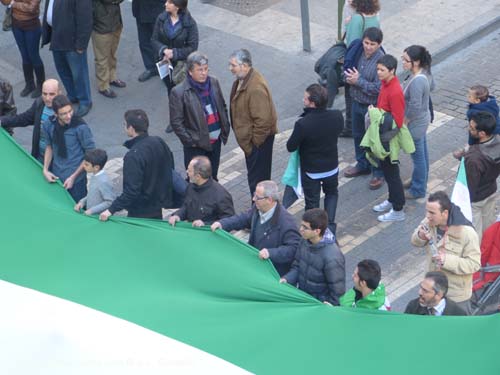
(73, 69)
(420, 157)
(358, 131)
(28, 42)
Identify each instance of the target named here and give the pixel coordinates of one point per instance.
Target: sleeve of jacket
(181, 212)
(237, 222)
(290, 240)
(295, 139)
(225, 206)
(191, 43)
(415, 239)
(398, 108)
(292, 277)
(470, 261)
(176, 106)
(225, 125)
(474, 172)
(26, 118)
(85, 137)
(158, 46)
(132, 181)
(335, 277)
(416, 91)
(84, 21)
(371, 88)
(261, 109)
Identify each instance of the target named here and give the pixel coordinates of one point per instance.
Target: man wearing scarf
(68, 137)
(198, 113)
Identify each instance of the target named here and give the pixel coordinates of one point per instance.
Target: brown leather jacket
(188, 118)
(24, 10)
(253, 114)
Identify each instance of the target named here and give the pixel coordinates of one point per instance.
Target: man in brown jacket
(452, 246)
(253, 117)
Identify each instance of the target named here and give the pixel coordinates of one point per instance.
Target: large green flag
(79, 296)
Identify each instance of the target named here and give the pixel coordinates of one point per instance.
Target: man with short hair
(364, 89)
(315, 135)
(452, 246)
(67, 25)
(145, 13)
(432, 297)
(206, 200)
(272, 227)
(253, 117)
(482, 166)
(36, 115)
(147, 171)
(368, 292)
(67, 137)
(198, 113)
(319, 265)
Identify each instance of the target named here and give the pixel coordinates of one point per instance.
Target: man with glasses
(198, 113)
(432, 297)
(272, 229)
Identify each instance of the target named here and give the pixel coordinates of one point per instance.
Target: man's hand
(49, 176)
(78, 207)
(216, 225)
(327, 303)
(264, 254)
(198, 223)
(168, 54)
(88, 212)
(283, 281)
(173, 219)
(79, 51)
(439, 259)
(352, 76)
(424, 233)
(69, 182)
(104, 216)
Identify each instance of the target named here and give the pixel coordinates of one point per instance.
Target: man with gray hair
(198, 113)
(206, 200)
(273, 229)
(253, 117)
(432, 297)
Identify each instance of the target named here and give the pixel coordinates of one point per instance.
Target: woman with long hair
(366, 16)
(417, 87)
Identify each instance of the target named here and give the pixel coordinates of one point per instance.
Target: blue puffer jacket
(319, 269)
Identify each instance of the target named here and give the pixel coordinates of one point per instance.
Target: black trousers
(149, 55)
(394, 184)
(259, 163)
(213, 156)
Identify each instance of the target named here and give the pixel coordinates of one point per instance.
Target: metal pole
(306, 32)
(340, 10)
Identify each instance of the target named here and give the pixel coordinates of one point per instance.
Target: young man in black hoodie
(315, 135)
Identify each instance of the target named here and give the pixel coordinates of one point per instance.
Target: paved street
(273, 37)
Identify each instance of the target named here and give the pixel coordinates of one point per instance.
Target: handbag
(179, 73)
(7, 20)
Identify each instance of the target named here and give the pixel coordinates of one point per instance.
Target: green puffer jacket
(376, 300)
(371, 140)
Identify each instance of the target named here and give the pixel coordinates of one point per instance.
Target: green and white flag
(129, 296)
(460, 195)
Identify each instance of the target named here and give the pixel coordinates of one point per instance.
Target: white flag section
(46, 335)
(460, 195)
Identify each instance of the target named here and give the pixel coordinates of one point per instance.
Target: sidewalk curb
(466, 41)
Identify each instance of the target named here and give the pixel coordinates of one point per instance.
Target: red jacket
(490, 255)
(391, 99)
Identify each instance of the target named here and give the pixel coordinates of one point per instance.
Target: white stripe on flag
(460, 195)
(43, 335)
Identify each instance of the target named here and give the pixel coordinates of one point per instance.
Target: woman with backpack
(366, 16)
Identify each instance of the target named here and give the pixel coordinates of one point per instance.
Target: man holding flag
(452, 246)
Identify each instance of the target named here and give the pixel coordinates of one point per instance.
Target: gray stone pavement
(273, 36)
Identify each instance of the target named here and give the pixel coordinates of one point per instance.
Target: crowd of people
(383, 116)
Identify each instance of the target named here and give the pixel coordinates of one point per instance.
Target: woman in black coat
(175, 35)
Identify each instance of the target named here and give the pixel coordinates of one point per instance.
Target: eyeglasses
(404, 59)
(257, 198)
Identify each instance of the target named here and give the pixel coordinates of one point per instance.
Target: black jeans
(148, 54)
(213, 156)
(259, 163)
(394, 183)
(312, 191)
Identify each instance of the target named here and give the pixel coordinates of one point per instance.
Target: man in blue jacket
(272, 229)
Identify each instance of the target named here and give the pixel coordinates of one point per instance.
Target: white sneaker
(382, 207)
(392, 216)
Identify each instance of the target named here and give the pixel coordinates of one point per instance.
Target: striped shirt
(366, 90)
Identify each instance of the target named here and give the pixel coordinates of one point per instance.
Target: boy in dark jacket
(319, 265)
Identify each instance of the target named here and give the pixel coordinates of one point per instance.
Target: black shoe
(169, 129)
(29, 78)
(83, 110)
(108, 93)
(28, 89)
(147, 75)
(118, 83)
